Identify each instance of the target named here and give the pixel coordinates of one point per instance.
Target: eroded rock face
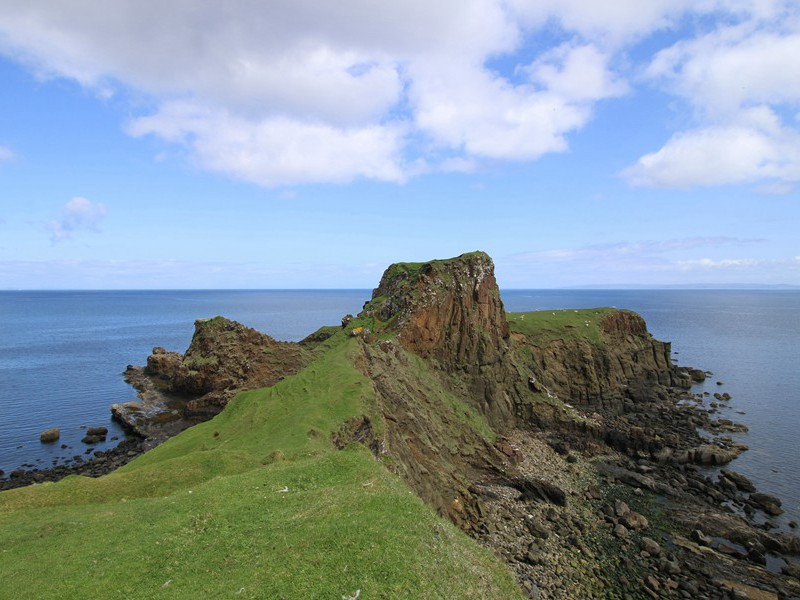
(223, 358)
(447, 309)
(225, 355)
(450, 313)
(629, 364)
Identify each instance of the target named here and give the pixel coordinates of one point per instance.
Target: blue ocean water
(62, 355)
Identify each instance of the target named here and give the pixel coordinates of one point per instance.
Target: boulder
(50, 435)
(651, 546)
(740, 481)
(769, 504)
(634, 520)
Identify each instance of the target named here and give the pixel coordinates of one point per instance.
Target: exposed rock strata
(224, 357)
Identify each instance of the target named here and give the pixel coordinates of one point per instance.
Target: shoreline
(699, 532)
(98, 463)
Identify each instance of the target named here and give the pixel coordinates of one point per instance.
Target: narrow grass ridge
(256, 503)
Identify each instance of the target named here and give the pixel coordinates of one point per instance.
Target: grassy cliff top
(413, 268)
(545, 326)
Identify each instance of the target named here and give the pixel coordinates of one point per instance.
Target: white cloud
(708, 263)
(775, 189)
(5, 154)
(740, 152)
(737, 79)
(78, 214)
(278, 150)
(287, 93)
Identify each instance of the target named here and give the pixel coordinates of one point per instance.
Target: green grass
(465, 413)
(203, 515)
(543, 327)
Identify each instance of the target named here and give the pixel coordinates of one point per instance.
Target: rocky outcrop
(626, 363)
(224, 357)
(446, 309)
(450, 313)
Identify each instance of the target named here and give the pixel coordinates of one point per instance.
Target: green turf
(255, 503)
(545, 326)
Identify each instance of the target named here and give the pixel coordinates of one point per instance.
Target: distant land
(683, 286)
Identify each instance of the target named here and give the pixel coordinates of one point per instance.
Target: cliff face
(450, 312)
(446, 309)
(224, 357)
(624, 363)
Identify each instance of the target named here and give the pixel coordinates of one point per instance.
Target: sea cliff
(565, 444)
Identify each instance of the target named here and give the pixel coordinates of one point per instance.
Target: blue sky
(151, 145)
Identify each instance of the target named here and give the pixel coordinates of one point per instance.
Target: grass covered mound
(256, 503)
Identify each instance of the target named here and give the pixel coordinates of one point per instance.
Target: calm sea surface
(62, 355)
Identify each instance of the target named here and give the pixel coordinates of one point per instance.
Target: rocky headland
(567, 442)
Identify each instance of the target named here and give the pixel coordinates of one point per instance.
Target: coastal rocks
(49, 436)
(95, 435)
(769, 504)
(100, 464)
(740, 481)
(178, 390)
(711, 454)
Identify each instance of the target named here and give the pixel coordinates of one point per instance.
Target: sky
(301, 144)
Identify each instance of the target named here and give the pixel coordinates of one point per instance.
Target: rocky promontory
(224, 357)
(566, 442)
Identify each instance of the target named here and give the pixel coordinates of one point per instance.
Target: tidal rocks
(740, 481)
(100, 464)
(711, 454)
(769, 504)
(49, 436)
(697, 375)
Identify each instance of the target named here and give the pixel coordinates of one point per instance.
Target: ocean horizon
(62, 354)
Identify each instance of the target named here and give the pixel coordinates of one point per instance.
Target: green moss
(195, 361)
(543, 327)
(465, 413)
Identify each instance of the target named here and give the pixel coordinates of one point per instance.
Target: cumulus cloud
(738, 80)
(79, 214)
(295, 92)
(755, 146)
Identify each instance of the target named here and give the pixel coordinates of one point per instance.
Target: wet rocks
(769, 504)
(740, 481)
(100, 464)
(48, 436)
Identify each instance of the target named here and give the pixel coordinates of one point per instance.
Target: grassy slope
(545, 326)
(203, 514)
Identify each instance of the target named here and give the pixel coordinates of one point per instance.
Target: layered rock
(223, 358)
(450, 313)
(446, 309)
(626, 363)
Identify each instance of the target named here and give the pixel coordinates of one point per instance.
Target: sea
(62, 354)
